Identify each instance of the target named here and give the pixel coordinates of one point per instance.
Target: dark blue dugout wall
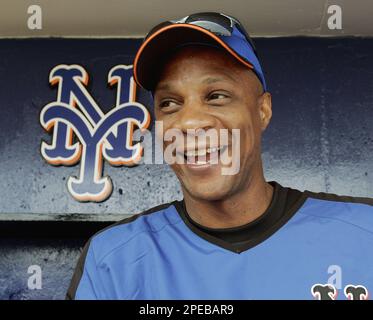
(320, 138)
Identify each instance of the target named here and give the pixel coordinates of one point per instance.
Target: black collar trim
(246, 245)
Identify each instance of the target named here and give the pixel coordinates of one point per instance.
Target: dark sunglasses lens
(212, 21)
(158, 27)
(212, 17)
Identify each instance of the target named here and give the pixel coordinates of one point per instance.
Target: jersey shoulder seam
(135, 217)
(339, 220)
(128, 220)
(129, 239)
(338, 198)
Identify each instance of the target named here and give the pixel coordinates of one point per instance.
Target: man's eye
(167, 103)
(217, 96)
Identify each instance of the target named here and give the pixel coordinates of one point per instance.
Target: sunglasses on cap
(210, 28)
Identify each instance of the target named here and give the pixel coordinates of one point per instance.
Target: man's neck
(239, 209)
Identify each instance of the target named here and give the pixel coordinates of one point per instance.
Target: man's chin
(206, 184)
(208, 192)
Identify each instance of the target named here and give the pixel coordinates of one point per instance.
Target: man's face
(205, 88)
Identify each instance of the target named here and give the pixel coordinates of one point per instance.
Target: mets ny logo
(99, 136)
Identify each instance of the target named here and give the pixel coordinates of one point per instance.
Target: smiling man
(234, 236)
(202, 88)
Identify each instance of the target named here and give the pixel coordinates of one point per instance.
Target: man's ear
(265, 109)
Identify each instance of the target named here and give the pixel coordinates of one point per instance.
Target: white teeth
(193, 153)
(200, 152)
(201, 162)
(212, 150)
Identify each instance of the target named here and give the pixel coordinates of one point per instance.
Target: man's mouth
(203, 156)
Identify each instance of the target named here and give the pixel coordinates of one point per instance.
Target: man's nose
(194, 116)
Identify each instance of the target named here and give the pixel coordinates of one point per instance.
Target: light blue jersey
(322, 249)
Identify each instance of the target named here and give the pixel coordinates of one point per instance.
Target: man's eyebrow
(163, 86)
(211, 80)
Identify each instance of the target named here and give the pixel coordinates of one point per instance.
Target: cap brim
(154, 48)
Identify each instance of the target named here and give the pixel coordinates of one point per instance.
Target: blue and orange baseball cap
(207, 28)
